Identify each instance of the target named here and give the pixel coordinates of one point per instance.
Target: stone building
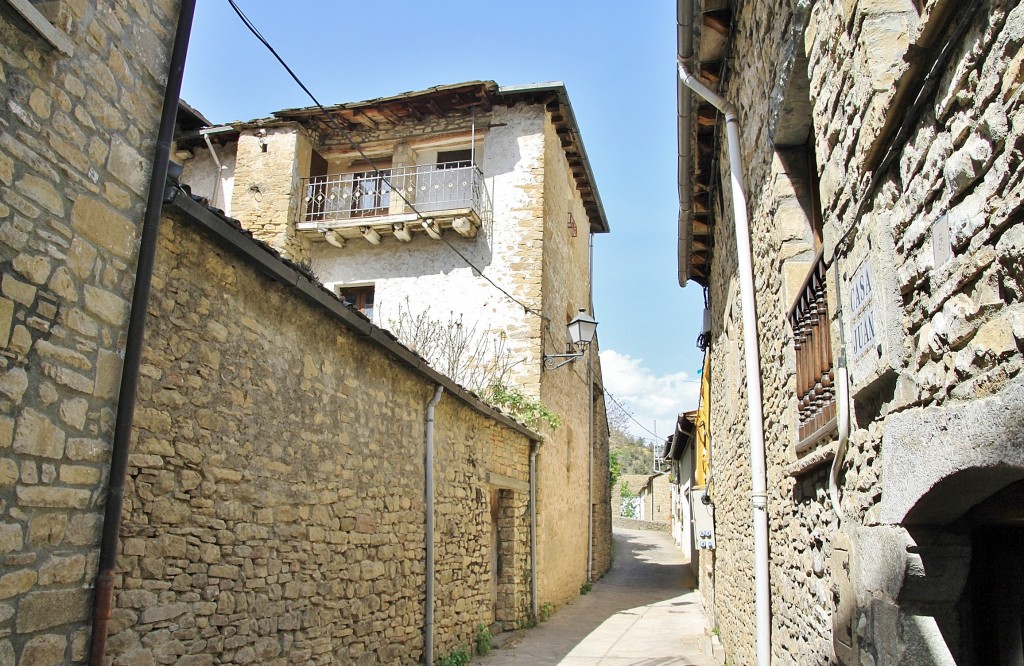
(275, 502)
(276, 510)
(82, 90)
(880, 145)
(465, 208)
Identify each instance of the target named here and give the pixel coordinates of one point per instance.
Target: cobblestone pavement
(643, 613)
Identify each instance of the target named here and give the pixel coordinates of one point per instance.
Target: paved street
(643, 613)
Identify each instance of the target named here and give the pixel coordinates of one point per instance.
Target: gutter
(751, 353)
(103, 599)
(558, 89)
(428, 534)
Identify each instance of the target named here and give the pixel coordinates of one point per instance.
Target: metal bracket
(551, 361)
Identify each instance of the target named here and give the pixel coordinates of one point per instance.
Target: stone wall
(275, 505)
(574, 472)
(76, 145)
(634, 524)
(203, 176)
(269, 165)
(939, 232)
(527, 247)
(425, 275)
(602, 535)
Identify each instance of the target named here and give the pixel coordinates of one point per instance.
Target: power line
(631, 418)
(377, 172)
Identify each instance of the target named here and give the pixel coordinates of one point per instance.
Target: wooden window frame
(809, 321)
(359, 297)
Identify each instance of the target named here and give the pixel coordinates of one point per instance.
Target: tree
(480, 361)
(632, 454)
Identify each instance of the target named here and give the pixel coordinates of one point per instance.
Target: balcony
(816, 401)
(400, 201)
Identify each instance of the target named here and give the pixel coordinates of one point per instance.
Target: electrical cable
(373, 166)
(626, 412)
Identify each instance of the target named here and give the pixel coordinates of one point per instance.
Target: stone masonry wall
(572, 480)
(269, 164)
(528, 250)
(761, 27)
(275, 506)
(941, 236)
(425, 275)
(602, 536)
(77, 137)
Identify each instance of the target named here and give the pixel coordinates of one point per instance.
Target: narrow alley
(645, 612)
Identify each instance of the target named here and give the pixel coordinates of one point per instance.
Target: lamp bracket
(552, 362)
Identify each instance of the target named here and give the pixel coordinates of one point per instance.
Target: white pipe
(428, 493)
(220, 169)
(751, 353)
(534, 602)
(843, 384)
(590, 428)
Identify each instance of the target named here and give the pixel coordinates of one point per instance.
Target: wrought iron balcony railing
(431, 188)
(815, 391)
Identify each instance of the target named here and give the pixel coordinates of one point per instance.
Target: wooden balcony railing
(815, 391)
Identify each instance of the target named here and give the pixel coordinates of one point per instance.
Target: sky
(617, 61)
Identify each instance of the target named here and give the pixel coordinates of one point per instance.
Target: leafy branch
(478, 360)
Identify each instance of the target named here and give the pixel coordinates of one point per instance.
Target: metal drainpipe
(590, 427)
(220, 170)
(534, 602)
(103, 598)
(428, 536)
(752, 357)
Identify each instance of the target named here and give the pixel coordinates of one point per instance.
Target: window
(371, 192)
(454, 159)
(809, 319)
(360, 298)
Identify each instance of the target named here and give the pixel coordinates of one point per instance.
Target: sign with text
(864, 326)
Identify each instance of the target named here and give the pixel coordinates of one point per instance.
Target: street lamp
(581, 332)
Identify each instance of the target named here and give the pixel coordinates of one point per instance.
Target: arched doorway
(992, 604)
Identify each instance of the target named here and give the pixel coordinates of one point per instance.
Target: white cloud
(650, 397)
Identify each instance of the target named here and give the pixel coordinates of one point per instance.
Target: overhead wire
(631, 417)
(373, 166)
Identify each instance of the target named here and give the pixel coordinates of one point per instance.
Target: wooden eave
(384, 113)
(716, 18)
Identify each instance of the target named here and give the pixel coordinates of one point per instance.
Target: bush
(484, 640)
(458, 658)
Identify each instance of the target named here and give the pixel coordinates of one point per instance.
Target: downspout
(103, 597)
(590, 427)
(220, 169)
(428, 495)
(843, 384)
(534, 602)
(751, 353)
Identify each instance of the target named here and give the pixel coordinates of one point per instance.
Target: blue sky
(617, 61)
